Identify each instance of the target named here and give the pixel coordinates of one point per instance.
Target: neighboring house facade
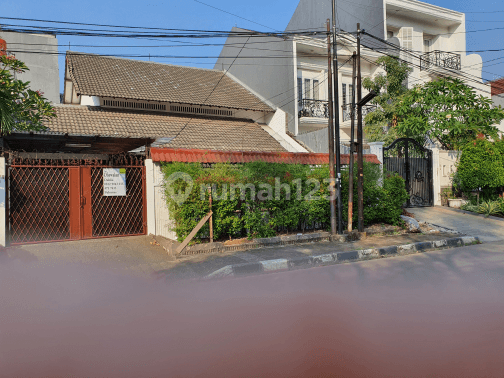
(295, 76)
(498, 96)
(40, 53)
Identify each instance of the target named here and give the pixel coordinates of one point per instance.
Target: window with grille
(344, 94)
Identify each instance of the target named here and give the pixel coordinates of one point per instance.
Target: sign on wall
(114, 182)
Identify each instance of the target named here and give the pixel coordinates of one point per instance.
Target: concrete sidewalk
(198, 266)
(486, 229)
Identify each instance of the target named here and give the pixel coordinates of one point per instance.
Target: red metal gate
(64, 200)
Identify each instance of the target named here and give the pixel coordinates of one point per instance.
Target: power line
(221, 10)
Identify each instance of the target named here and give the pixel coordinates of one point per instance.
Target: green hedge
(307, 207)
(481, 166)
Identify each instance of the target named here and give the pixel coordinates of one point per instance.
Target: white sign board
(114, 182)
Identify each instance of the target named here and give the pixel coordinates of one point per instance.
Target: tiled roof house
(172, 106)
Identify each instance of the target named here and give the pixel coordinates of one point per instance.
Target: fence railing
(345, 149)
(347, 111)
(441, 59)
(313, 108)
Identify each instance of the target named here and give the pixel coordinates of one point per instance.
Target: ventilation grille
(134, 105)
(164, 107)
(196, 110)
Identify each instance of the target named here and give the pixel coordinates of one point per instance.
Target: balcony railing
(313, 108)
(441, 59)
(347, 115)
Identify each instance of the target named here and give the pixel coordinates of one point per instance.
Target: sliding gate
(413, 162)
(71, 200)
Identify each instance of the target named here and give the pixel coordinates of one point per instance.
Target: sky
(191, 14)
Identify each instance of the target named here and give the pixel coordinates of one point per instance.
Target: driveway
(137, 255)
(487, 229)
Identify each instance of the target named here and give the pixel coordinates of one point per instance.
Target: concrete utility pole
(337, 120)
(352, 146)
(360, 163)
(332, 180)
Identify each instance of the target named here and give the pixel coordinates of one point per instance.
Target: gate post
(436, 179)
(3, 207)
(377, 149)
(151, 205)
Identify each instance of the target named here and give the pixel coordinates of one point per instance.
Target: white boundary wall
(158, 216)
(444, 165)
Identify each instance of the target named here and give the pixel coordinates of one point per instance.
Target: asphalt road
(436, 314)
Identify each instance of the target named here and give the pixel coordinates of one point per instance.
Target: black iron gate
(413, 162)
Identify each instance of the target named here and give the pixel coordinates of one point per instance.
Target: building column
(376, 148)
(436, 179)
(151, 203)
(3, 208)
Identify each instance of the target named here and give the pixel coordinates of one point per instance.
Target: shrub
(397, 195)
(470, 207)
(235, 216)
(481, 166)
(489, 208)
(501, 204)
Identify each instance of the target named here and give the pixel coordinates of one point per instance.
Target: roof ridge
(141, 61)
(106, 76)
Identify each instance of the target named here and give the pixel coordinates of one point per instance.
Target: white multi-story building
(291, 72)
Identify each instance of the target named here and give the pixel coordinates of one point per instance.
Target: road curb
(315, 237)
(282, 265)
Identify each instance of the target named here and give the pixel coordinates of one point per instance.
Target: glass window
(316, 94)
(300, 89)
(307, 93)
(427, 45)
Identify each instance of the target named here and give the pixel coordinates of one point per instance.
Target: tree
(379, 125)
(21, 108)
(449, 112)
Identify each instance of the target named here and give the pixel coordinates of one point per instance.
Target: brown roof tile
(95, 75)
(191, 132)
(206, 156)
